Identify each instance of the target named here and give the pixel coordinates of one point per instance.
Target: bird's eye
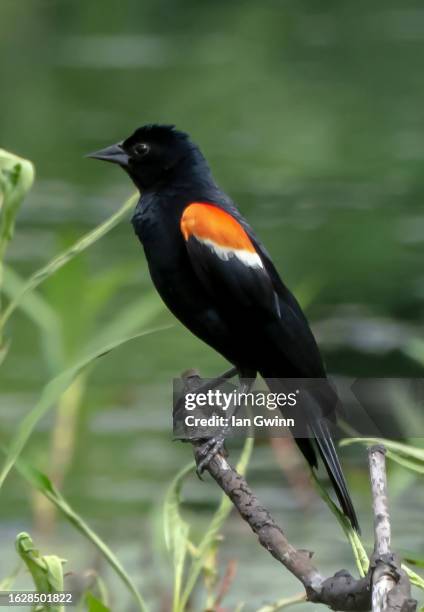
(141, 149)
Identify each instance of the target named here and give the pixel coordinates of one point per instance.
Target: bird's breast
(167, 258)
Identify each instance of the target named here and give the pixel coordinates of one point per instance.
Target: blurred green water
(311, 116)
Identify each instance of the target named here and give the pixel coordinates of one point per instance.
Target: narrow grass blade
(415, 578)
(406, 450)
(42, 483)
(406, 455)
(58, 262)
(406, 463)
(39, 311)
(358, 549)
(413, 560)
(49, 396)
(130, 318)
(176, 529)
(359, 552)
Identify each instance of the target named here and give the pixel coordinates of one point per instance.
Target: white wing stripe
(226, 253)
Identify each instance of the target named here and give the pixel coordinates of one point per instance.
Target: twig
(391, 590)
(340, 592)
(227, 580)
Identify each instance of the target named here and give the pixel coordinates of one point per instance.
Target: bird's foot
(207, 451)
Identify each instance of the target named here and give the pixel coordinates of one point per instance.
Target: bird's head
(150, 155)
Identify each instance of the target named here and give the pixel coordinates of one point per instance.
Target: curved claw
(208, 451)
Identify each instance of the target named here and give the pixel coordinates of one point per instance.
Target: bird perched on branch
(217, 278)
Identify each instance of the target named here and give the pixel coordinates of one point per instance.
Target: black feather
(328, 454)
(246, 314)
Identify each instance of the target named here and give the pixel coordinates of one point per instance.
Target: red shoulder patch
(208, 222)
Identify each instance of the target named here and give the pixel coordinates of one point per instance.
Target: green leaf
(49, 396)
(406, 463)
(58, 262)
(130, 318)
(410, 558)
(176, 529)
(46, 571)
(39, 311)
(94, 604)
(43, 484)
(127, 320)
(406, 455)
(398, 447)
(16, 179)
(359, 552)
(101, 588)
(415, 578)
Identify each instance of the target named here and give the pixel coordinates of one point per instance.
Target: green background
(311, 115)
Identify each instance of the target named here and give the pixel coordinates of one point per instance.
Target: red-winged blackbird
(217, 278)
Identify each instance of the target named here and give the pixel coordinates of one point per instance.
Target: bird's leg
(192, 376)
(212, 446)
(213, 383)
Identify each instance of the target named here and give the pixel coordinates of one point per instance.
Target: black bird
(217, 278)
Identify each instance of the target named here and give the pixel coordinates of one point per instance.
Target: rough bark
(342, 591)
(391, 591)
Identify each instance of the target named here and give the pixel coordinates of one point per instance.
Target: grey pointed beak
(114, 154)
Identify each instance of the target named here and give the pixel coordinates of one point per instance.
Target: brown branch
(340, 592)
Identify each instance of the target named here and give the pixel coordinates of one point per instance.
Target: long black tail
(331, 461)
(318, 427)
